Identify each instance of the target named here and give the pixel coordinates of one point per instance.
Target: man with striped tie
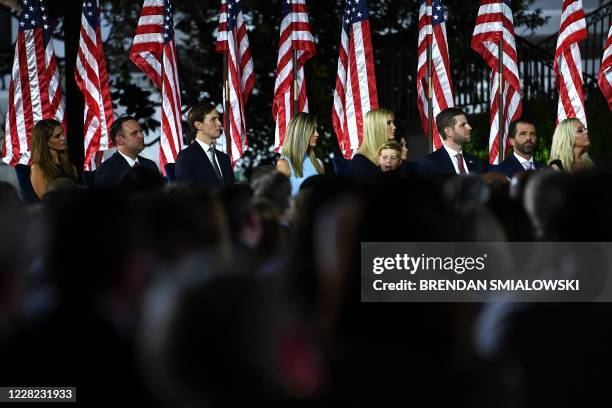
(524, 141)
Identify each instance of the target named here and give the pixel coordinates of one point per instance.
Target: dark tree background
(200, 66)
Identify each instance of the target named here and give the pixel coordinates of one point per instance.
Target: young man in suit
(201, 163)
(455, 131)
(524, 140)
(127, 136)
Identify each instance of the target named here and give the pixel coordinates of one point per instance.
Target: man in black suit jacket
(201, 163)
(126, 134)
(524, 140)
(449, 159)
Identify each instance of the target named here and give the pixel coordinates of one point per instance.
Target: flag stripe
(154, 52)
(34, 88)
(568, 62)
(355, 91)
(92, 80)
(232, 40)
(494, 24)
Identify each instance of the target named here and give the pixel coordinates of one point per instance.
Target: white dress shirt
(453, 155)
(207, 148)
(524, 162)
(128, 159)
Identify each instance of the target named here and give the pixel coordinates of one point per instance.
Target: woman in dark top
(49, 156)
(378, 129)
(570, 144)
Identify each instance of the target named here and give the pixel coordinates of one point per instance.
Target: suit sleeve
(152, 166)
(425, 167)
(229, 171)
(182, 169)
(101, 177)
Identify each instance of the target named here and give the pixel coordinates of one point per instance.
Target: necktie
(462, 171)
(214, 163)
(528, 165)
(136, 164)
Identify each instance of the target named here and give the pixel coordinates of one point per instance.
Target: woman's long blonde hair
(41, 155)
(374, 133)
(563, 142)
(297, 143)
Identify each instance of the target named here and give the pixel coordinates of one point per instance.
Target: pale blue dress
(308, 170)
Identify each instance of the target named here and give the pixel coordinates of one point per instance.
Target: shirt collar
(522, 160)
(451, 152)
(205, 146)
(130, 161)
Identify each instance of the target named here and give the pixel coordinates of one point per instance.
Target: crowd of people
(204, 292)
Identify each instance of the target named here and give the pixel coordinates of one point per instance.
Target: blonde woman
(49, 156)
(569, 146)
(378, 129)
(298, 160)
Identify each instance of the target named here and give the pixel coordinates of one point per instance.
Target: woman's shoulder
(556, 165)
(35, 168)
(283, 166)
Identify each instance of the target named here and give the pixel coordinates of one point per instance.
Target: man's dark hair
(513, 125)
(446, 118)
(198, 112)
(118, 126)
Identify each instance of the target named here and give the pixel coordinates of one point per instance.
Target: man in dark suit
(524, 140)
(450, 159)
(201, 163)
(126, 134)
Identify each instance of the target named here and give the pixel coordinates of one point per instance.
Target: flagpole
(294, 69)
(226, 104)
(501, 100)
(295, 82)
(430, 118)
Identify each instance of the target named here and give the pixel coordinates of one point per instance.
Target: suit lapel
(474, 164)
(515, 164)
(206, 159)
(445, 161)
(121, 162)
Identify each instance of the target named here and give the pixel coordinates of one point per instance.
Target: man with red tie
(449, 159)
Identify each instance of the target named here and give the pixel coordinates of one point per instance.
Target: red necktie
(462, 171)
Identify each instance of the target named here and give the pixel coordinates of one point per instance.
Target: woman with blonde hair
(298, 160)
(49, 156)
(378, 129)
(569, 146)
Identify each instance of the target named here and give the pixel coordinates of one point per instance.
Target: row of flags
(35, 92)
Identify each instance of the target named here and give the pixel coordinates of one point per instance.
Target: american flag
(605, 71)
(294, 36)
(34, 91)
(432, 30)
(233, 41)
(92, 80)
(494, 24)
(154, 52)
(355, 93)
(568, 63)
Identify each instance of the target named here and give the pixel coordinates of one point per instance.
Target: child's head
(390, 156)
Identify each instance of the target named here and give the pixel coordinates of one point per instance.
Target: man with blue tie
(450, 159)
(524, 140)
(201, 163)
